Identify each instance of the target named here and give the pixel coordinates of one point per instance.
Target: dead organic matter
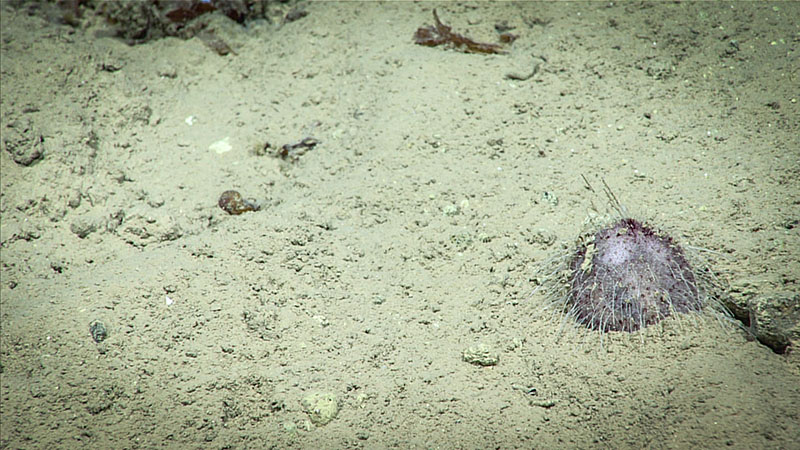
(440, 34)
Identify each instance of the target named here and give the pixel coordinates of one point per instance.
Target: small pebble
(233, 203)
(98, 331)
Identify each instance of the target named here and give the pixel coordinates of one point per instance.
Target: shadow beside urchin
(625, 277)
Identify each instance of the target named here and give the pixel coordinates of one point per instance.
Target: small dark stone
(295, 13)
(233, 203)
(98, 331)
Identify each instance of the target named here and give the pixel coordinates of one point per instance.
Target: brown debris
(183, 11)
(187, 10)
(508, 38)
(296, 150)
(439, 34)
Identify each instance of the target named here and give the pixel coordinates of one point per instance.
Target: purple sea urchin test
(627, 276)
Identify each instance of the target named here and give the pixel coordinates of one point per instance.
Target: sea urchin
(627, 276)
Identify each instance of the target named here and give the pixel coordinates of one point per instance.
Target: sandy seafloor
(412, 231)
